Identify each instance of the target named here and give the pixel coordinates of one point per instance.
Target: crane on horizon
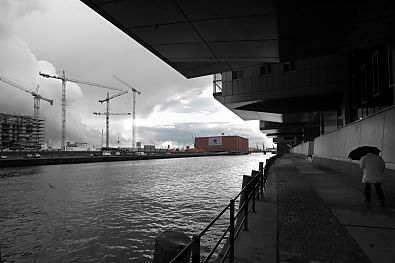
(134, 109)
(64, 79)
(36, 96)
(107, 113)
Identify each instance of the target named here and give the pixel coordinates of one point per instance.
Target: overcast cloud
(54, 35)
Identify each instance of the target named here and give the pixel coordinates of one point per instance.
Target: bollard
(168, 244)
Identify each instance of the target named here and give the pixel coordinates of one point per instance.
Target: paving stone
(307, 229)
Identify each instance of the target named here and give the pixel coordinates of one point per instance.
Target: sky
(55, 35)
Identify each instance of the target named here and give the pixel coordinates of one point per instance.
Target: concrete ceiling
(204, 37)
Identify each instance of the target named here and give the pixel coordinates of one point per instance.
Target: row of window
(265, 70)
(367, 90)
(371, 82)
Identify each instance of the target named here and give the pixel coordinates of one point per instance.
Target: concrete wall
(306, 148)
(301, 148)
(376, 130)
(331, 150)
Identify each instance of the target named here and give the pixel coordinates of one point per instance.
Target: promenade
(313, 214)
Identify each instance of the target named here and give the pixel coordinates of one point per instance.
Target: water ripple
(112, 212)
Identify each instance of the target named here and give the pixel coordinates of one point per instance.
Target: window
(265, 70)
(389, 60)
(289, 66)
(237, 74)
(217, 83)
(354, 91)
(375, 72)
(363, 83)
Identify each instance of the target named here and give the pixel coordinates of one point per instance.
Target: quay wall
(91, 159)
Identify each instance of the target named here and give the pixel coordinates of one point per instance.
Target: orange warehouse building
(233, 144)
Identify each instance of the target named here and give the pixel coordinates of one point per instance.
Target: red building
(234, 144)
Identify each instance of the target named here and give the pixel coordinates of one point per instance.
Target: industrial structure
(20, 132)
(36, 96)
(107, 113)
(64, 80)
(134, 109)
(319, 75)
(230, 144)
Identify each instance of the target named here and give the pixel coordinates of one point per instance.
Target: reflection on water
(111, 212)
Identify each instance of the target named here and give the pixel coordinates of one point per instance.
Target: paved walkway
(314, 215)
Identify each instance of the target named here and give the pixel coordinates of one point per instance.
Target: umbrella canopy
(357, 153)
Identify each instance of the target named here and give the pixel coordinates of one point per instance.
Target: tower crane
(107, 113)
(36, 97)
(134, 108)
(64, 79)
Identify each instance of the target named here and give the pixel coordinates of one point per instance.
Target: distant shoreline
(92, 159)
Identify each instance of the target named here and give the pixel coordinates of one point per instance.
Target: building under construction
(20, 132)
(231, 144)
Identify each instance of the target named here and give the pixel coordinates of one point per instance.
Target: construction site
(26, 133)
(23, 141)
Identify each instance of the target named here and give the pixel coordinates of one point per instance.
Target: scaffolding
(20, 132)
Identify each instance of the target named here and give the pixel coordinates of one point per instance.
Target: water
(112, 212)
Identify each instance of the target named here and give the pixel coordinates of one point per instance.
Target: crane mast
(107, 113)
(134, 109)
(63, 138)
(64, 79)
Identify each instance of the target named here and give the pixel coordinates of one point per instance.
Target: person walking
(373, 168)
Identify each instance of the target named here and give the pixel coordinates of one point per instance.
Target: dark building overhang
(204, 37)
(297, 104)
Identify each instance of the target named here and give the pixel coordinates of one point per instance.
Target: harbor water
(112, 212)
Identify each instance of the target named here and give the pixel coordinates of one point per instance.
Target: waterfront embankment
(315, 214)
(75, 158)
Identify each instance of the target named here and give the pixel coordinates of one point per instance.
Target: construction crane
(134, 109)
(107, 113)
(64, 79)
(36, 97)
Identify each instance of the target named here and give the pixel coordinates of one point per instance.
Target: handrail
(213, 221)
(216, 245)
(252, 190)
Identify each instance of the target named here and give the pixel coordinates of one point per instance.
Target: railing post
(255, 175)
(232, 232)
(196, 249)
(260, 166)
(253, 194)
(246, 194)
(261, 178)
(262, 185)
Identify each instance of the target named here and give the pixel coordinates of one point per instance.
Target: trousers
(379, 192)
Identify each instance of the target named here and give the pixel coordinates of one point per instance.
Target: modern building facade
(231, 144)
(20, 132)
(317, 74)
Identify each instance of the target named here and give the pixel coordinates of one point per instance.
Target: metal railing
(250, 193)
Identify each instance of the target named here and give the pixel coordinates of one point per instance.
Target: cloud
(12, 10)
(52, 35)
(20, 65)
(194, 113)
